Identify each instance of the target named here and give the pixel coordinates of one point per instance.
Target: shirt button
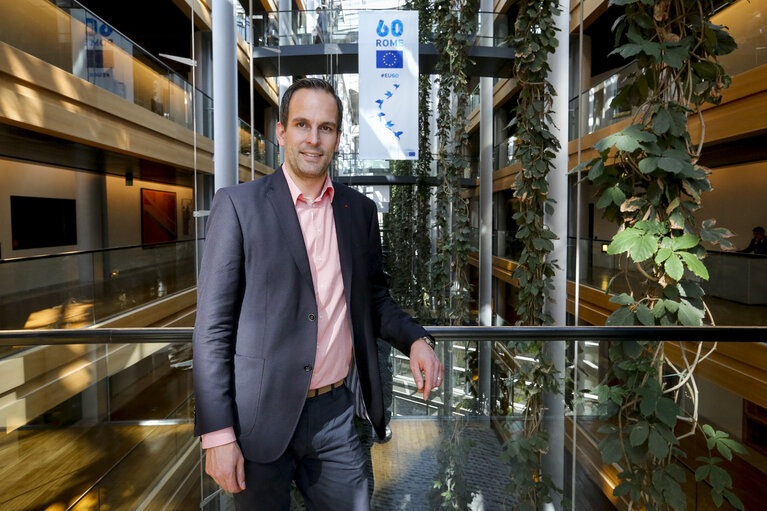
(312, 317)
(307, 368)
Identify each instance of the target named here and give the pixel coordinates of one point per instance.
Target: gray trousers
(324, 458)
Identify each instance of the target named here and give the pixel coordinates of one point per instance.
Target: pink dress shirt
(334, 338)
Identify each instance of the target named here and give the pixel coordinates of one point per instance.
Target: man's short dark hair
(760, 230)
(309, 83)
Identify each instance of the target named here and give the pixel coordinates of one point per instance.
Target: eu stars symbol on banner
(389, 59)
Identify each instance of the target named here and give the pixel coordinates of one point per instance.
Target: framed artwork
(158, 216)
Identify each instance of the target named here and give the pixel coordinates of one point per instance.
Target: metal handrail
(441, 333)
(95, 250)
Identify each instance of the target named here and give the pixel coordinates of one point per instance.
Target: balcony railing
(335, 26)
(734, 277)
(78, 289)
(349, 164)
(744, 21)
(265, 151)
(71, 37)
(111, 399)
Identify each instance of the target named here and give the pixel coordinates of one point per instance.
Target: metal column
(554, 420)
(485, 208)
(225, 139)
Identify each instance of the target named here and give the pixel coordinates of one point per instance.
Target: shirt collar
(296, 194)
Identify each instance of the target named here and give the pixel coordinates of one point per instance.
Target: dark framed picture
(158, 216)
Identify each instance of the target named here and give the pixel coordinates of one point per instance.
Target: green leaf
(657, 445)
(670, 165)
(661, 121)
(610, 447)
(702, 472)
(690, 289)
(621, 317)
(734, 500)
(623, 489)
(674, 495)
(627, 140)
(644, 248)
(719, 478)
(684, 242)
(639, 433)
(597, 170)
(623, 299)
(612, 195)
(667, 411)
(648, 165)
(623, 241)
(662, 255)
(543, 244)
(644, 315)
(687, 315)
(734, 445)
(675, 56)
(694, 264)
(673, 267)
(676, 472)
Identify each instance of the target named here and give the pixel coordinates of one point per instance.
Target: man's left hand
(423, 359)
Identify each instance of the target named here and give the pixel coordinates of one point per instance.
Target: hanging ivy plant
(455, 25)
(422, 225)
(534, 40)
(650, 183)
(408, 223)
(401, 233)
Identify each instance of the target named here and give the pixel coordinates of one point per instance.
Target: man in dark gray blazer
(291, 299)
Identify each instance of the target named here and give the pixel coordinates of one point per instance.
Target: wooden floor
(51, 469)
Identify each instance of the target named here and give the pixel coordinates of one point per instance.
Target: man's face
(311, 135)
(758, 235)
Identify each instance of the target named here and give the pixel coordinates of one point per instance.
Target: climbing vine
(422, 242)
(650, 183)
(455, 25)
(534, 40)
(410, 209)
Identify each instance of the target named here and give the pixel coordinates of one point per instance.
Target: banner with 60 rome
(388, 82)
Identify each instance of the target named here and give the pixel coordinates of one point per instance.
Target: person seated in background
(758, 243)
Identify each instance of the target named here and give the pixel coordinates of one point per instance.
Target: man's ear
(280, 132)
(338, 140)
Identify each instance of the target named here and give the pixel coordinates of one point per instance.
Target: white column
(554, 420)
(226, 141)
(485, 208)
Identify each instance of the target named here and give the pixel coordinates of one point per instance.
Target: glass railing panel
(78, 290)
(458, 395)
(335, 26)
(745, 23)
(265, 151)
(503, 154)
(74, 39)
(94, 413)
(98, 426)
(733, 291)
(349, 164)
(599, 114)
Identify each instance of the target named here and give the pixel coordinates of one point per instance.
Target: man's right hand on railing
(226, 465)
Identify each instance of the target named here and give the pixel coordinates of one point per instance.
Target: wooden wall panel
(40, 97)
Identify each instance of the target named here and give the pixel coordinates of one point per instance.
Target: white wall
(738, 201)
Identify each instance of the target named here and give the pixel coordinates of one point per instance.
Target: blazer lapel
(342, 212)
(285, 211)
